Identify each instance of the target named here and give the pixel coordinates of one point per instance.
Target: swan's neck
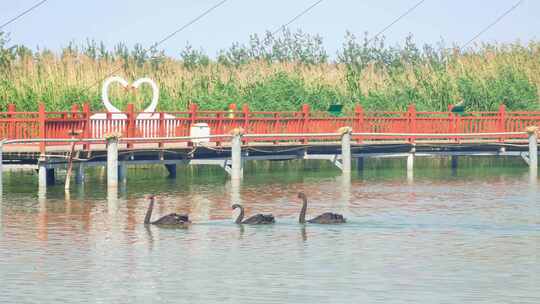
(240, 216)
(149, 212)
(302, 218)
(105, 93)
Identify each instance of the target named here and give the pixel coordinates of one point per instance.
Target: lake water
(471, 236)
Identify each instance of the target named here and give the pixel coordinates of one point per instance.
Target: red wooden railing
(43, 124)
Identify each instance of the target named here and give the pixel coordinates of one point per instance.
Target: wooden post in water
(73, 133)
(69, 167)
(112, 162)
(236, 154)
(533, 150)
(346, 149)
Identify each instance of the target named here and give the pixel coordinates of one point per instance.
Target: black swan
(258, 219)
(325, 218)
(172, 219)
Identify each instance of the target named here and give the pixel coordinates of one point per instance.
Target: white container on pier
(200, 130)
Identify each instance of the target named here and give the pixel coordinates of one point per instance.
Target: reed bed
(271, 73)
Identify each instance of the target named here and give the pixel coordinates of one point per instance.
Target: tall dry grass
(376, 77)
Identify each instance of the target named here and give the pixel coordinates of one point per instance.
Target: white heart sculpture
(147, 113)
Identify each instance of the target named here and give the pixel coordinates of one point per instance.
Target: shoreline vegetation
(278, 73)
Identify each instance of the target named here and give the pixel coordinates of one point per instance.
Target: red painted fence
(42, 124)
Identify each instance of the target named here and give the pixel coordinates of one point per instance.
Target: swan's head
(301, 195)
(234, 206)
(150, 197)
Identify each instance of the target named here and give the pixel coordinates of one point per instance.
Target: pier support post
(410, 164)
(1, 166)
(79, 174)
(171, 168)
(42, 178)
(45, 177)
(533, 150)
(346, 149)
(112, 162)
(236, 154)
(122, 172)
(454, 161)
(360, 164)
(51, 177)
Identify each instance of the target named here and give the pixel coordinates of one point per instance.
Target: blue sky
(57, 22)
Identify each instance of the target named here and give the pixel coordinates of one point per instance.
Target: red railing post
(161, 128)
(450, 120)
(192, 114)
(305, 121)
(219, 129)
(11, 116)
(412, 121)
(86, 127)
(130, 123)
(192, 119)
(42, 127)
(231, 113)
(276, 129)
(245, 113)
(358, 123)
(453, 122)
(502, 120)
(74, 111)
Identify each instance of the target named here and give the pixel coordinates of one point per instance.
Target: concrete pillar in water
(235, 185)
(533, 151)
(112, 200)
(236, 154)
(42, 178)
(46, 177)
(345, 193)
(171, 168)
(112, 162)
(410, 164)
(79, 174)
(346, 149)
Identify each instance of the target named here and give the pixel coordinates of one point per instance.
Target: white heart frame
(117, 113)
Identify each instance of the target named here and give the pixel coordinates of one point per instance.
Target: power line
(493, 23)
(189, 23)
(396, 20)
(23, 13)
(155, 45)
(297, 16)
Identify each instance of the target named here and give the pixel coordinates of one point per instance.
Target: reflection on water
(468, 236)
